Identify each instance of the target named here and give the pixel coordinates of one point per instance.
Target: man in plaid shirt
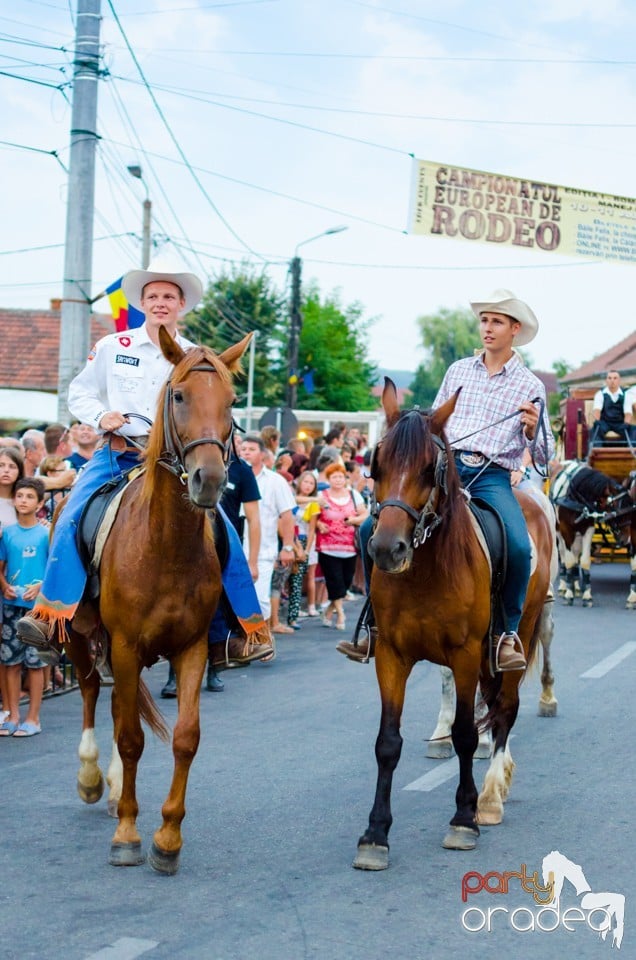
(495, 384)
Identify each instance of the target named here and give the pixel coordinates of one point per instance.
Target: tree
(446, 336)
(235, 304)
(333, 348)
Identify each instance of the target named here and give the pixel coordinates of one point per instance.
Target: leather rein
(175, 452)
(427, 519)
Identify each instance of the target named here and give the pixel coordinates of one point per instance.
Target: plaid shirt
(485, 399)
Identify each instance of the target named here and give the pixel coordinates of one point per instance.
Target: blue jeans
(493, 486)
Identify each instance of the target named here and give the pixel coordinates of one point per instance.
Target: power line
(173, 137)
(22, 146)
(56, 246)
(199, 8)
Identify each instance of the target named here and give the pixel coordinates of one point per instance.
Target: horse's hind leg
(114, 779)
(90, 782)
(440, 744)
(464, 831)
(547, 700)
(125, 848)
(373, 845)
(167, 841)
(499, 775)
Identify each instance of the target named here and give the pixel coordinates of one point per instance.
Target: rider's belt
(472, 458)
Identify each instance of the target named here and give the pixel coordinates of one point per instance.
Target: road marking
(126, 948)
(604, 666)
(442, 772)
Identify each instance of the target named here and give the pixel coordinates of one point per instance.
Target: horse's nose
(389, 555)
(205, 486)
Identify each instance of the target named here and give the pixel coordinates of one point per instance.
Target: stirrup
(366, 623)
(507, 668)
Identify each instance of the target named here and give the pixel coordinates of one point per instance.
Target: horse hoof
(113, 806)
(370, 856)
(440, 749)
(126, 854)
(483, 751)
(547, 708)
(630, 605)
(93, 793)
(163, 861)
(588, 603)
(569, 601)
(460, 838)
(490, 814)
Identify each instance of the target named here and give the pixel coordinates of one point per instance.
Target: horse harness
(427, 519)
(175, 452)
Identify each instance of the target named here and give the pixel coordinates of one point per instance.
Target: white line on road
(604, 666)
(442, 772)
(126, 948)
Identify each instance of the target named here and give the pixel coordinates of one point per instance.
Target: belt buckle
(472, 459)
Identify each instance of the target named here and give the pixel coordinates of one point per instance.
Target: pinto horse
(584, 497)
(160, 584)
(430, 591)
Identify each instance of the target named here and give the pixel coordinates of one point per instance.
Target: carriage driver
(495, 384)
(125, 374)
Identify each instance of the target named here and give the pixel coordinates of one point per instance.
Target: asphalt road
(280, 791)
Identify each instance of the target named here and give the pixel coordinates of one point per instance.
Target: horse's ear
(441, 415)
(232, 356)
(390, 401)
(169, 347)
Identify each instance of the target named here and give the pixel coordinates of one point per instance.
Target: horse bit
(427, 519)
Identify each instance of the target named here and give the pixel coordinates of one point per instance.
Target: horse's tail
(150, 713)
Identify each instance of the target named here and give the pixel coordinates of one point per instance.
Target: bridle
(427, 520)
(175, 452)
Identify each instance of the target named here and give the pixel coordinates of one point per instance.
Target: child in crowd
(23, 554)
(307, 494)
(11, 470)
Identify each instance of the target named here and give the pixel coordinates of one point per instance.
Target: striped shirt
(485, 399)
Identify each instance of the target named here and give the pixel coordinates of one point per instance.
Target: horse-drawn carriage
(594, 495)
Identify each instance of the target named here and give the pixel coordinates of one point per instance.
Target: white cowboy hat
(504, 301)
(162, 268)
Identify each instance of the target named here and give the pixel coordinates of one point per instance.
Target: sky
(273, 121)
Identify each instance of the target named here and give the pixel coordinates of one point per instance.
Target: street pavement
(280, 791)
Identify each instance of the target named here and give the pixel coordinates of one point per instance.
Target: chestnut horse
(430, 591)
(160, 584)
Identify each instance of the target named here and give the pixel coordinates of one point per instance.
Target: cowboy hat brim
(134, 282)
(504, 301)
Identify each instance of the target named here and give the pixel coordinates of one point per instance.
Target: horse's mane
(590, 485)
(409, 443)
(155, 447)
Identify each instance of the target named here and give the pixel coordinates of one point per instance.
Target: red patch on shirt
(125, 341)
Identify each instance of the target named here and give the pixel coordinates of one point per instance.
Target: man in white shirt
(276, 507)
(608, 410)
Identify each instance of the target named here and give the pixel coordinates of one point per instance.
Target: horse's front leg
(167, 842)
(392, 672)
(572, 554)
(125, 848)
(464, 831)
(440, 745)
(90, 781)
(630, 603)
(586, 564)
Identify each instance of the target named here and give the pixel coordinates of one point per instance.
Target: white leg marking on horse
(89, 774)
(115, 780)
(604, 666)
(490, 802)
(441, 745)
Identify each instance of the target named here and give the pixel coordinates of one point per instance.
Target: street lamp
(296, 319)
(135, 171)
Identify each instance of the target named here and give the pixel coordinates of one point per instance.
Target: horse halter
(175, 452)
(427, 519)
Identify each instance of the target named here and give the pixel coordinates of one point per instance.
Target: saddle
(95, 524)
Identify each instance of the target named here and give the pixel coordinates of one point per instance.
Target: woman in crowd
(341, 511)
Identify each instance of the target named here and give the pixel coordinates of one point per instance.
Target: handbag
(356, 529)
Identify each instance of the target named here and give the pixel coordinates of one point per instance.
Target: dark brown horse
(160, 585)
(586, 500)
(430, 591)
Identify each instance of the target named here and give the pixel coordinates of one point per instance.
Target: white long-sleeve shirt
(124, 372)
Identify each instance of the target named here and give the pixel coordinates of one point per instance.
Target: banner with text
(464, 204)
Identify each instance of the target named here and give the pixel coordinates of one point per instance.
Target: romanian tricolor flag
(125, 316)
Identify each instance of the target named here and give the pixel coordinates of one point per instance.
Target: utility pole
(78, 254)
(145, 246)
(294, 331)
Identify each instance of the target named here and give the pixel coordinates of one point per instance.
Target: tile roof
(30, 347)
(621, 357)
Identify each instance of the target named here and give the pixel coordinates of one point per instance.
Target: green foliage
(446, 336)
(235, 304)
(333, 344)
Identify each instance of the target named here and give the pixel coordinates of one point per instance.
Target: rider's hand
(112, 420)
(529, 418)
